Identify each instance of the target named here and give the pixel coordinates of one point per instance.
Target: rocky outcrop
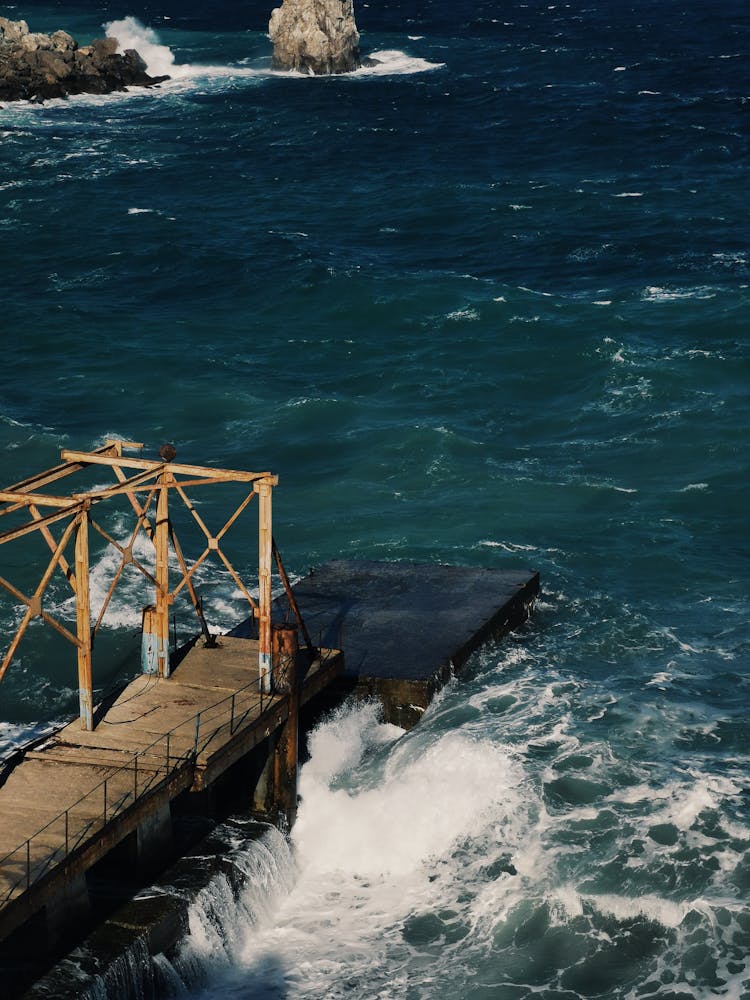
(36, 67)
(315, 36)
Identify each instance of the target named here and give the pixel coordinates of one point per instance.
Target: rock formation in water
(36, 67)
(315, 36)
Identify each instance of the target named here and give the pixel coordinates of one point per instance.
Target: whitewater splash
(131, 34)
(160, 60)
(392, 832)
(453, 851)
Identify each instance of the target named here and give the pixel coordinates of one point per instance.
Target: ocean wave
(656, 294)
(160, 60)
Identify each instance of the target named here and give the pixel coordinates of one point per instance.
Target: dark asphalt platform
(404, 626)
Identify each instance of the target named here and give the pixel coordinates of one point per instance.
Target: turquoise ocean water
(485, 303)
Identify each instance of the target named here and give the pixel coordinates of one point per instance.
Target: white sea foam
(694, 486)
(656, 908)
(393, 62)
(160, 60)
(655, 294)
(374, 857)
(459, 315)
(13, 735)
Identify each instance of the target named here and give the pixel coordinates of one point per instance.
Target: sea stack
(35, 67)
(315, 36)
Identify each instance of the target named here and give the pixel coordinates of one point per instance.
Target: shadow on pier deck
(81, 794)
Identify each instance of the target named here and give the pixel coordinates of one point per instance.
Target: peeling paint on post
(150, 642)
(265, 544)
(161, 543)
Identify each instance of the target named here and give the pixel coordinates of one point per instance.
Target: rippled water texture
(486, 304)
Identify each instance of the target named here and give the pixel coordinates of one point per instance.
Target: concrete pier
(82, 794)
(171, 745)
(407, 627)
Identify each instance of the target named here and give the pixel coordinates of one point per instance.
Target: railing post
(66, 833)
(28, 863)
(168, 753)
(197, 732)
(105, 801)
(231, 720)
(135, 778)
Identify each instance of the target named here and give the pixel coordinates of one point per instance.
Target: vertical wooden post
(265, 545)
(83, 621)
(161, 542)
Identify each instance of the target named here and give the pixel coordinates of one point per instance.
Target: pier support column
(265, 546)
(83, 621)
(69, 909)
(155, 841)
(287, 747)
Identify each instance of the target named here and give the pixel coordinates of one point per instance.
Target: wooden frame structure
(147, 486)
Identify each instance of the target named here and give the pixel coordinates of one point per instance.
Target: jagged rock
(315, 36)
(37, 67)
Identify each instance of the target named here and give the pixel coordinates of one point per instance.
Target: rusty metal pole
(287, 748)
(265, 544)
(161, 542)
(83, 621)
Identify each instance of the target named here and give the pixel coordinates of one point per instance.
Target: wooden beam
(26, 529)
(59, 471)
(161, 543)
(38, 499)
(177, 469)
(83, 623)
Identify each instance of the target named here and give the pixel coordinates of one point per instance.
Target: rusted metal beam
(291, 598)
(176, 468)
(265, 538)
(194, 599)
(38, 499)
(83, 622)
(26, 529)
(163, 597)
(52, 543)
(66, 469)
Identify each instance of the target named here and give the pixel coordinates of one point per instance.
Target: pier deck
(79, 793)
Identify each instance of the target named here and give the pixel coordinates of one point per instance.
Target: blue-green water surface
(485, 303)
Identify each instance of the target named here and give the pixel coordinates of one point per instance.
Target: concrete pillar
(68, 912)
(155, 841)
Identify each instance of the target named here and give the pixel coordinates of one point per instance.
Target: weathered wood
(176, 468)
(83, 622)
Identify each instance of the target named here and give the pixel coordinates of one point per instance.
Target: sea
(485, 301)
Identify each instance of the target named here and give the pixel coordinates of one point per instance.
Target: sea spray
(255, 873)
(392, 832)
(131, 34)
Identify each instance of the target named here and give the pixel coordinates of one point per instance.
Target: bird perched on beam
(167, 452)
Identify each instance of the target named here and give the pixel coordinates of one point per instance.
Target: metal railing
(146, 771)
